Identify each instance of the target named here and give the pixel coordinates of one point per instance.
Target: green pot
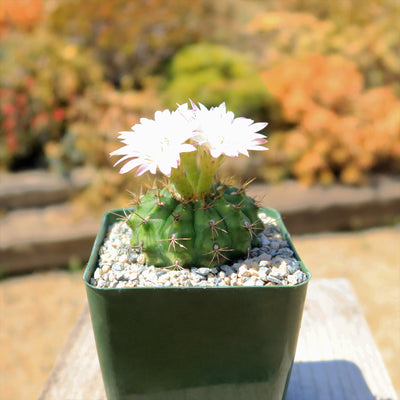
(193, 343)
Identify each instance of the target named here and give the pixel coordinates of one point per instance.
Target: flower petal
(129, 166)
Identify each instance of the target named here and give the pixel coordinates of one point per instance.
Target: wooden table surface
(336, 357)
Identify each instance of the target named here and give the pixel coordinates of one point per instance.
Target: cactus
(205, 233)
(193, 221)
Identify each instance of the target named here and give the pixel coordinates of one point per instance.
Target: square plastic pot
(193, 343)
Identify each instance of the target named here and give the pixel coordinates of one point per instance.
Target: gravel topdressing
(272, 263)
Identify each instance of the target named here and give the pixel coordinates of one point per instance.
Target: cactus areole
(192, 221)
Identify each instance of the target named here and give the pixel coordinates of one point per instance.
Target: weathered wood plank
(76, 375)
(336, 358)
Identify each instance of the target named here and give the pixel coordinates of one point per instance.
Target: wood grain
(336, 357)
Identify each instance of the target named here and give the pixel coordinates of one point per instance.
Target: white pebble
(264, 263)
(105, 268)
(97, 273)
(253, 271)
(272, 263)
(123, 259)
(243, 271)
(141, 259)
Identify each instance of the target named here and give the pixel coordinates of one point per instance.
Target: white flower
(156, 143)
(222, 133)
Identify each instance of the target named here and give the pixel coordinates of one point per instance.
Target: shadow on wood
(328, 380)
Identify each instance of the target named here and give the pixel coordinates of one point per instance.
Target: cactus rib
(173, 231)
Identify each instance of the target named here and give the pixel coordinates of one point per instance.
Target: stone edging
(333, 208)
(39, 188)
(47, 236)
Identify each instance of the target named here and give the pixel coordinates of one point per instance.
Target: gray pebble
(117, 266)
(272, 263)
(274, 280)
(263, 273)
(203, 271)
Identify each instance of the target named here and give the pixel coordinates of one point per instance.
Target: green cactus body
(207, 233)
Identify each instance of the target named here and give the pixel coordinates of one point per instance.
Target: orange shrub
(23, 14)
(340, 130)
(371, 42)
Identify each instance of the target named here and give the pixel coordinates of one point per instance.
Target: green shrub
(212, 73)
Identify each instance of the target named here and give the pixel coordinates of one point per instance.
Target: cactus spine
(212, 231)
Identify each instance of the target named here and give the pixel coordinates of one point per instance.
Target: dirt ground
(37, 311)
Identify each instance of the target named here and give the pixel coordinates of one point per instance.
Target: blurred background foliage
(41, 76)
(326, 75)
(212, 72)
(133, 39)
